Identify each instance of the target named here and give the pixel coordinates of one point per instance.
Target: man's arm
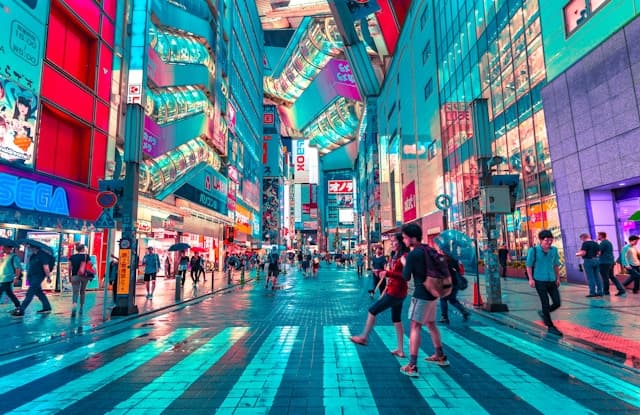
(17, 269)
(47, 272)
(556, 269)
(407, 271)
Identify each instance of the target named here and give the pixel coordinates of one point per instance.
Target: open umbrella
(181, 246)
(36, 244)
(8, 242)
(635, 217)
(198, 249)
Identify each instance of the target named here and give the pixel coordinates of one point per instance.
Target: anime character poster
(18, 111)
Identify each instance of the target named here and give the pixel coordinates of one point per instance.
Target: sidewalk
(608, 326)
(21, 332)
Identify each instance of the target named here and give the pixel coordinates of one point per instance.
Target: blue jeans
(453, 300)
(35, 289)
(592, 269)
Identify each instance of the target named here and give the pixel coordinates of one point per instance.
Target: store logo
(300, 155)
(31, 195)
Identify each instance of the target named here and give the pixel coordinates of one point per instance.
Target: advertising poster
(271, 206)
(21, 52)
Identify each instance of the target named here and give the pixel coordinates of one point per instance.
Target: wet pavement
(286, 351)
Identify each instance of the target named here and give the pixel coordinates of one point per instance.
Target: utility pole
(136, 52)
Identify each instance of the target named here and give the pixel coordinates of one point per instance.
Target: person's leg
(414, 341)
(153, 285)
(396, 319)
(31, 291)
(75, 293)
(612, 277)
(503, 269)
(541, 289)
(444, 310)
(554, 293)
(42, 297)
(8, 289)
(83, 291)
(604, 274)
(595, 271)
(591, 278)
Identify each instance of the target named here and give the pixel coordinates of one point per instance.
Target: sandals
(398, 353)
(358, 340)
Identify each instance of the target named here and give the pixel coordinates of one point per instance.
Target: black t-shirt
(35, 270)
(76, 260)
(503, 253)
(415, 267)
(196, 263)
(591, 248)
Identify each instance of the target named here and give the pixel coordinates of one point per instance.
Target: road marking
(536, 393)
(439, 390)
(255, 390)
(40, 370)
(175, 381)
(72, 392)
(345, 385)
(598, 379)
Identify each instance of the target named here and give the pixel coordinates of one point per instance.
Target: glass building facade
(493, 49)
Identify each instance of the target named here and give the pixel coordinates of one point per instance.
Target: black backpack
(438, 280)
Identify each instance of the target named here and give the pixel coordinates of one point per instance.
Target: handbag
(86, 269)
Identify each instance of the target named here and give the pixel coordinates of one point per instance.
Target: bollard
(178, 293)
(229, 276)
(242, 276)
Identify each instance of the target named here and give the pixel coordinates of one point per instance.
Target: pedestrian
(38, 269)
(456, 274)
(167, 267)
(393, 298)
(113, 277)
(632, 261)
(151, 263)
(79, 263)
(306, 263)
(183, 264)
(315, 264)
(606, 265)
(196, 266)
(360, 263)
(503, 257)
(422, 309)
(543, 271)
(10, 270)
(274, 268)
(589, 252)
(378, 263)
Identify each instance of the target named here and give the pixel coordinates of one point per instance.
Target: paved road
(257, 351)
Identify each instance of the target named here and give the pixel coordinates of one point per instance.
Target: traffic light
(116, 186)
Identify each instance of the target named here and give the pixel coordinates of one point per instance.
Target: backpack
(438, 281)
(273, 259)
(456, 270)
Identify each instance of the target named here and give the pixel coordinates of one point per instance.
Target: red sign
(340, 186)
(106, 199)
(409, 209)
(267, 118)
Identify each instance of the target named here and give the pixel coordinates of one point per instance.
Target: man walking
(632, 262)
(10, 270)
(503, 258)
(606, 265)
(38, 269)
(543, 270)
(422, 309)
(151, 263)
(589, 253)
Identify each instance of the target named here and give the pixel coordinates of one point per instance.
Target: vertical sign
(409, 202)
(124, 262)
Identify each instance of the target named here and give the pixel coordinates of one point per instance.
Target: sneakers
(444, 320)
(621, 292)
(554, 330)
(17, 313)
(465, 316)
(410, 370)
(440, 360)
(44, 311)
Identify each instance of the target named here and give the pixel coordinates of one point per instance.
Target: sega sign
(340, 186)
(32, 195)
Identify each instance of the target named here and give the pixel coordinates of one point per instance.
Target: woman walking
(79, 263)
(393, 297)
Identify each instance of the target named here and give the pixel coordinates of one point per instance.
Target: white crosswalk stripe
(536, 393)
(77, 389)
(608, 384)
(441, 392)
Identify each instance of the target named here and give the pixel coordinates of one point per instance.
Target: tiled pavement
(287, 351)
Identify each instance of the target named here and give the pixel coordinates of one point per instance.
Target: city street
(250, 350)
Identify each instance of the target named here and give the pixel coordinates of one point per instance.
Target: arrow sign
(105, 221)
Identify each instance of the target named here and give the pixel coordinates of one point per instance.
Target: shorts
(150, 276)
(422, 311)
(388, 301)
(273, 269)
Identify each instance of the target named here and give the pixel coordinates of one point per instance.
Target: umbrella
(179, 247)
(36, 244)
(8, 242)
(635, 217)
(198, 249)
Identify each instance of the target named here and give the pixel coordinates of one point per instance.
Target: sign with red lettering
(340, 186)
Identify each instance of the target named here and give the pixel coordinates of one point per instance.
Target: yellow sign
(124, 262)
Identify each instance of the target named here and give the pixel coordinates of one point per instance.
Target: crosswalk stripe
(345, 385)
(80, 388)
(434, 384)
(255, 390)
(175, 381)
(40, 370)
(598, 379)
(531, 390)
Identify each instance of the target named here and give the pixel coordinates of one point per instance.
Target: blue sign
(31, 195)
(105, 221)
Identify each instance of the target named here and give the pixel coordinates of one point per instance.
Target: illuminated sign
(409, 209)
(300, 159)
(124, 261)
(31, 195)
(340, 186)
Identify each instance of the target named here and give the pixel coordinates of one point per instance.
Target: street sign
(106, 199)
(105, 221)
(124, 261)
